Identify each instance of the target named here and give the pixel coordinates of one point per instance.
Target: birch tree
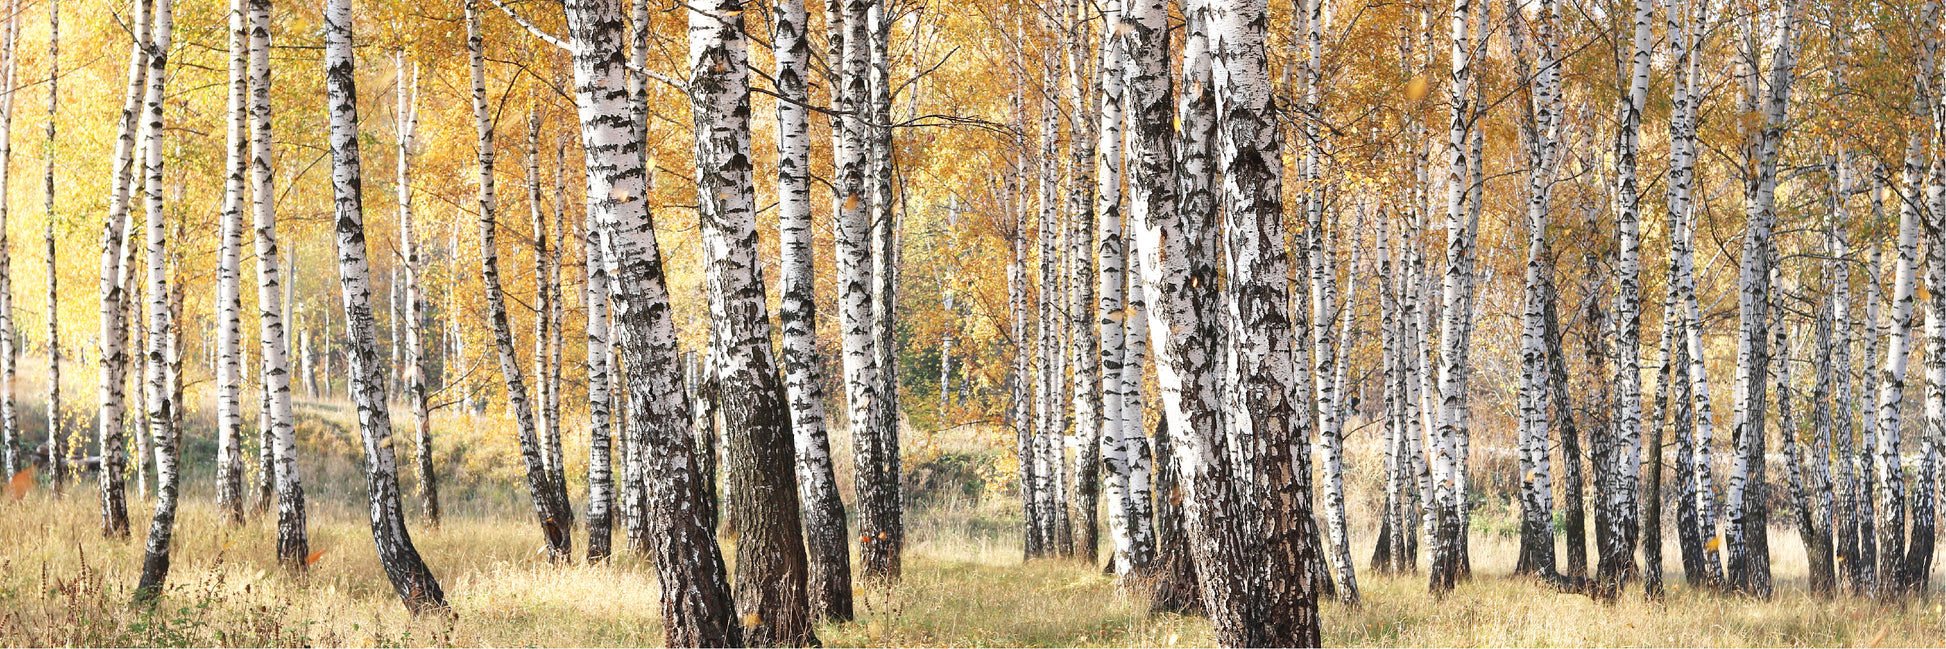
(229, 299)
(293, 541)
(55, 428)
(829, 580)
(410, 577)
(1459, 239)
(406, 123)
(160, 420)
(114, 355)
(9, 353)
(761, 485)
(695, 594)
(1539, 114)
(1109, 314)
(880, 507)
(550, 503)
(853, 229)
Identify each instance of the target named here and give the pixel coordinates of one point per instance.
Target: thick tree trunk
(1262, 361)
(695, 593)
(550, 503)
(1447, 466)
(410, 577)
(856, 304)
(760, 483)
(293, 543)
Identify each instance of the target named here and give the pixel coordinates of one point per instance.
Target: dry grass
(62, 584)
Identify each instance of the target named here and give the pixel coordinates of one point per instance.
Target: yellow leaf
(1415, 89)
(21, 483)
(752, 619)
(313, 557)
(1714, 543)
(618, 194)
(851, 202)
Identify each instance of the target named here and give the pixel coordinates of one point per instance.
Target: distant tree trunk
(1049, 454)
(1021, 406)
(56, 430)
(1891, 481)
(9, 353)
(410, 577)
(1815, 506)
(416, 363)
(161, 418)
(1263, 370)
(695, 594)
(229, 300)
(1919, 549)
(761, 486)
(601, 443)
(825, 533)
(1865, 460)
(1331, 433)
(114, 294)
(1847, 490)
(550, 503)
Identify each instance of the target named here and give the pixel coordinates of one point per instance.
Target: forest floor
(63, 584)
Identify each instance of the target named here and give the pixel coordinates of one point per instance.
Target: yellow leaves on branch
(1415, 89)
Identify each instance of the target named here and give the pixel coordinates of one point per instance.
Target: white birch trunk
(114, 294)
(160, 416)
(293, 543)
(229, 300)
(56, 430)
(410, 578)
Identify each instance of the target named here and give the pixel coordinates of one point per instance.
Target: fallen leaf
(1714, 543)
(313, 557)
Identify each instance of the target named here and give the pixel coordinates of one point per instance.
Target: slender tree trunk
(56, 428)
(1891, 481)
(293, 542)
(634, 493)
(9, 353)
(410, 577)
(601, 443)
(1540, 115)
(1022, 402)
(1866, 459)
(1141, 463)
(229, 301)
(550, 503)
(1108, 312)
(416, 363)
(1084, 337)
(853, 225)
(1050, 456)
(546, 428)
(160, 422)
(829, 581)
(1912, 575)
(879, 500)
(1816, 505)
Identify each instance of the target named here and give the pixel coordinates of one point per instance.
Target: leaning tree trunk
(550, 503)
(229, 300)
(829, 581)
(410, 577)
(293, 541)
(695, 593)
(114, 271)
(161, 415)
(761, 488)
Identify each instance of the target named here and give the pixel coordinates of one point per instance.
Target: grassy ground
(62, 584)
